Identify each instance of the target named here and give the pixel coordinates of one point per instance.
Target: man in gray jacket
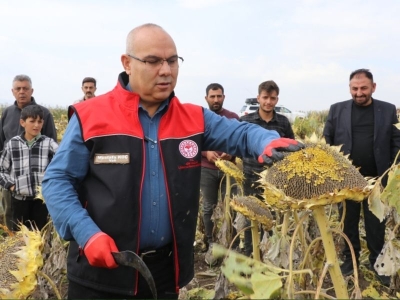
(10, 126)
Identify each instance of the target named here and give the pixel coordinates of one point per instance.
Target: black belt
(156, 254)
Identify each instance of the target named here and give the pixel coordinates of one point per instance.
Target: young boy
(22, 165)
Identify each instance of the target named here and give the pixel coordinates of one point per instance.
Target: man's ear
(126, 63)
(22, 123)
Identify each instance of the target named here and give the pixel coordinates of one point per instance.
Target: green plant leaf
(201, 293)
(266, 286)
(390, 194)
(243, 272)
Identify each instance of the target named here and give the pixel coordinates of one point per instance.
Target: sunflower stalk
(231, 171)
(330, 252)
(52, 284)
(306, 259)
(301, 232)
(353, 256)
(291, 271)
(285, 223)
(255, 235)
(227, 214)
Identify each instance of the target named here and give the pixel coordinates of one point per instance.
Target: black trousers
(29, 213)
(6, 201)
(374, 229)
(163, 273)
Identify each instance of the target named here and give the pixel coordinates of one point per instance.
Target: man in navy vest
(127, 174)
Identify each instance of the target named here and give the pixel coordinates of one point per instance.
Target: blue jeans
(209, 184)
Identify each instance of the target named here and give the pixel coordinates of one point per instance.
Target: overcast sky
(308, 47)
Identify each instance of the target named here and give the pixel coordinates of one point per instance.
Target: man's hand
(271, 152)
(98, 251)
(225, 156)
(212, 156)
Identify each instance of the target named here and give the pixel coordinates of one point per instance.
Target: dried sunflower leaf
(390, 194)
(240, 222)
(375, 204)
(388, 261)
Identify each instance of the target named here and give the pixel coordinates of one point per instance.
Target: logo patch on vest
(111, 158)
(188, 148)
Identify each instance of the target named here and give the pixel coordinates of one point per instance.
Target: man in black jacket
(364, 126)
(10, 126)
(266, 117)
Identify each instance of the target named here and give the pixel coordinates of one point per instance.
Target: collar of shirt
(160, 108)
(32, 141)
(258, 117)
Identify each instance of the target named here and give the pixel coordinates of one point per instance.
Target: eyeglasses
(155, 62)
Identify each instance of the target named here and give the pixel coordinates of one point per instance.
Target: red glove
(98, 251)
(271, 154)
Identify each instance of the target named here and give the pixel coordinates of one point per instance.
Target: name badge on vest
(111, 158)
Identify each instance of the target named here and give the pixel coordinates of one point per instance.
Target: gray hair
(22, 77)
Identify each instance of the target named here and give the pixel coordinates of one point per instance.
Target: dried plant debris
(21, 259)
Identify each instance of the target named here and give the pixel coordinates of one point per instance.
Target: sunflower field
(295, 225)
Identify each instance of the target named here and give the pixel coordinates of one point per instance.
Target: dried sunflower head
(239, 163)
(316, 175)
(230, 169)
(253, 209)
(21, 258)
